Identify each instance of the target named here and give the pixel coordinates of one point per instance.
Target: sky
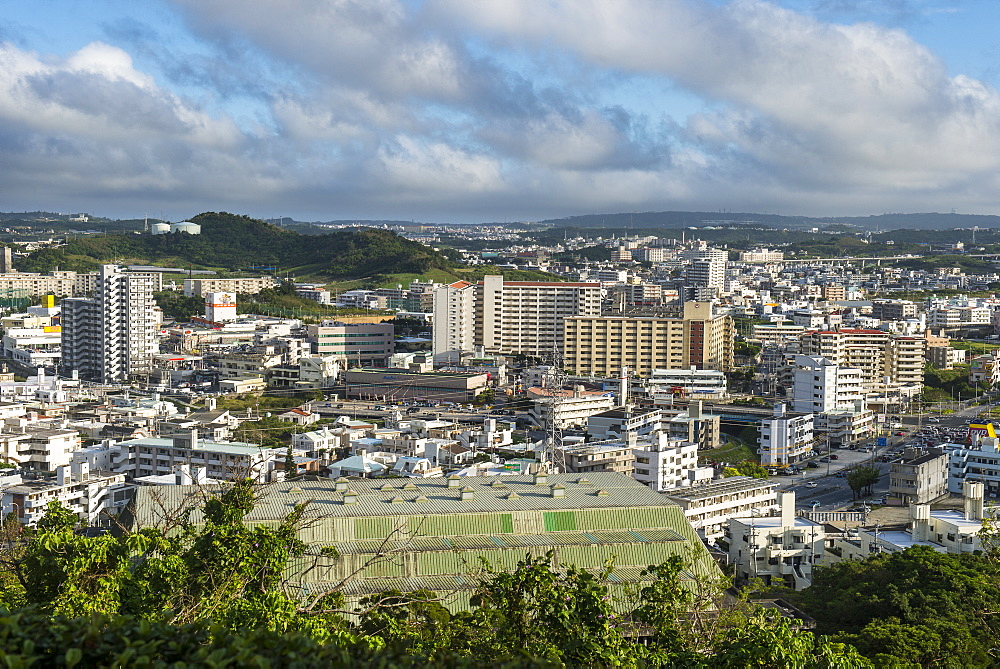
(469, 111)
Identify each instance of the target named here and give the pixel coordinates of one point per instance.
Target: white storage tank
(159, 228)
(186, 226)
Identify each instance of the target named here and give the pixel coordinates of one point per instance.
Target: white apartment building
(33, 347)
(41, 448)
(618, 422)
(820, 385)
(780, 550)
(111, 336)
(226, 461)
(454, 323)
(708, 273)
(93, 496)
(250, 286)
(710, 506)
(526, 317)
(876, 353)
(665, 385)
(53, 283)
(567, 408)
(662, 463)
(977, 462)
(944, 530)
(785, 438)
(762, 255)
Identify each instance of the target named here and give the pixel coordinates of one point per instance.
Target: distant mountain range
(684, 219)
(618, 221)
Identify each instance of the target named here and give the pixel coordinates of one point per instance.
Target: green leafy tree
(862, 478)
(928, 608)
(746, 468)
(291, 469)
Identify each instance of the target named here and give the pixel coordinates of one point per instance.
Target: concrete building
(95, 497)
(40, 448)
(613, 455)
(785, 438)
(454, 322)
(762, 255)
(443, 525)
(355, 344)
(921, 476)
(667, 385)
(111, 337)
(662, 463)
(876, 353)
(944, 530)
(694, 425)
(602, 345)
(979, 461)
(53, 283)
(399, 384)
(946, 357)
(707, 273)
(34, 347)
(526, 317)
(709, 507)
(220, 307)
(619, 422)
(779, 550)
(225, 461)
(567, 407)
(820, 385)
(250, 286)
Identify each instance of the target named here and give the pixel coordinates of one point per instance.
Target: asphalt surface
(831, 493)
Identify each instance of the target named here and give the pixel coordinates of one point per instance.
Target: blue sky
(475, 110)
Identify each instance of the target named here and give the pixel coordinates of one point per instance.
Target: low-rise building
(567, 408)
(226, 461)
(398, 384)
(662, 463)
(599, 456)
(781, 549)
(93, 496)
(710, 506)
(979, 461)
(694, 425)
(920, 477)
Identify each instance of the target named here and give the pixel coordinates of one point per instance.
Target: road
(833, 493)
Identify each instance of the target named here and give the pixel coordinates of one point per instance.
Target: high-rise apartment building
(707, 273)
(876, 353)
(111, 336)
(602, 345)
(454, 326)
(509, 317)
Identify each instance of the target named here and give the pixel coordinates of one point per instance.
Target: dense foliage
(242, 243)
(918, 606)
(216, 594)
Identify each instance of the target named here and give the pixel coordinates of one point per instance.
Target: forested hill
(231, 242)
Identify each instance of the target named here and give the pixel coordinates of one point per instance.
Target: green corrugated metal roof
(275, 500)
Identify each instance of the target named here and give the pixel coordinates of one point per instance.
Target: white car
(810, 484)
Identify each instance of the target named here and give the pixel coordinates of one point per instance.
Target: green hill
(233, 243)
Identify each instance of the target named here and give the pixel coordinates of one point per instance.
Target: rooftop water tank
(186, 226)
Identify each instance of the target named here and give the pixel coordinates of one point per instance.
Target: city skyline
(455, 111)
